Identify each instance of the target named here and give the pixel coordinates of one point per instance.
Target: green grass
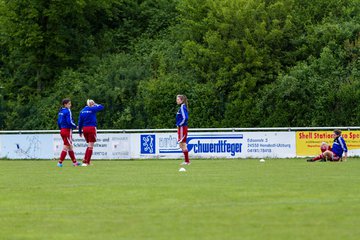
(149, 199)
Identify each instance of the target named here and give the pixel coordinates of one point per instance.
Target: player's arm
(98, 107)
(345, 157)
(59, 121)
(186, 113)
(345, 149)
(80, 125)
(183, 115)
(70, 120)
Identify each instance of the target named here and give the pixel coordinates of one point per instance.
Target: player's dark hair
(337, 132)
(184, 100)
(65, 101)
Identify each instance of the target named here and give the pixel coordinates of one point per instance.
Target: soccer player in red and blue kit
(66, 125)
(182, 117)
(87, 126)
(338, 148)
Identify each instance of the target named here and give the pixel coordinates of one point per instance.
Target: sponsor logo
(147, 144)
(228, 144)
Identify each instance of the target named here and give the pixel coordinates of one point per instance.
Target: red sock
(86, 155)
(72, 156)
(62, 156)
(186, 154)
(90, 151)
(321, 156)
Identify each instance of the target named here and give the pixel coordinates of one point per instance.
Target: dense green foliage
(242, 63)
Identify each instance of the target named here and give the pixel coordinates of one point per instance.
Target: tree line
(241, 63)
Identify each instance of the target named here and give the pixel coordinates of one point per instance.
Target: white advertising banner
(154, 145)
(26, 146)
(216, 145)
(107, 146)
(270, 144)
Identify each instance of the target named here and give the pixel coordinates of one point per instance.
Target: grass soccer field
(150, 199)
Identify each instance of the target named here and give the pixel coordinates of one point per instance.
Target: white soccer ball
(262, 160)
(182, 170)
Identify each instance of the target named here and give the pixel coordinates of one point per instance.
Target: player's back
(88, 115)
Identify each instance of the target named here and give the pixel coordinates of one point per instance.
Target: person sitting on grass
(338, 148)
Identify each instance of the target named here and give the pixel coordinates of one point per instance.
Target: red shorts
(182, 134)
(89, 134)
(335, 157)
(66, 135)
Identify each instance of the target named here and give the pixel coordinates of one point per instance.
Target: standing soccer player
(66, 125)
(87, 126)
(338, 148)
(182, 117)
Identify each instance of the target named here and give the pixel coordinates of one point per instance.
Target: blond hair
(184, 100)
(90, 102)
